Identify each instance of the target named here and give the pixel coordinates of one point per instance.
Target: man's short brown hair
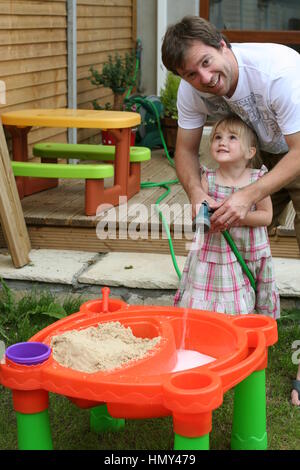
(180, 36)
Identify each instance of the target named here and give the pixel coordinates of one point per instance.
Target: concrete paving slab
(161, 300)
(153, 271)
(52, 266)
(135, 270)
(128, 270)
(287, 275)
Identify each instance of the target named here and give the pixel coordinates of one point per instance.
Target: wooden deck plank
(85, 239)
(55, 219)
(64, 199)
(287, 227)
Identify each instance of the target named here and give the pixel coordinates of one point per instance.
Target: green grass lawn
(20, 319)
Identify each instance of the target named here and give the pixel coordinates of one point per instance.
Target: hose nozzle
(203, 217)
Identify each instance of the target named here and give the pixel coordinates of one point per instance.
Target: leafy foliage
(117, 74)
(21, 319)
(289, 316)
(168, 95)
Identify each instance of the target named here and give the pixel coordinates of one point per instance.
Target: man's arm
(236, 207)
(261, 217)
(187, 166)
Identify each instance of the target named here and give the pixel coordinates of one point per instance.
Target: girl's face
(227, 147)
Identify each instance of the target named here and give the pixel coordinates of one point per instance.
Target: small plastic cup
(28, 353)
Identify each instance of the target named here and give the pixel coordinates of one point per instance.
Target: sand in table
(100, 348)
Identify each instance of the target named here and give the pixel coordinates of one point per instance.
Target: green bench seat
(87, 152)
(94, 176)
(99, 153)
(52, 170)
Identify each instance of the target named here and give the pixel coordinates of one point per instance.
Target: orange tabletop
(19, 123)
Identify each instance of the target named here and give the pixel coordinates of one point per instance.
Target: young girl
(212, 277)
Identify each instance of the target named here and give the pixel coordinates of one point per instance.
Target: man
(258, 82)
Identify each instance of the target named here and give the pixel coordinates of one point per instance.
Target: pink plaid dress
(213, 279)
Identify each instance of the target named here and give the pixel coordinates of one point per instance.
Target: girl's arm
(261, 217)
(204, 184)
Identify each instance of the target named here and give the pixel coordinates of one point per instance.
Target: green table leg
(101, 421)
(249, 417)
(191, 443)
(34, 431)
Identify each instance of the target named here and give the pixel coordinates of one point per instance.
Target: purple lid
(28, 353)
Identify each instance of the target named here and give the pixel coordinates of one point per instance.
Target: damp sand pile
(101, 348)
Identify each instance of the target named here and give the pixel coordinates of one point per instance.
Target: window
(255, 20)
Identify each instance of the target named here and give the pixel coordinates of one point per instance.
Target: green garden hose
(166, 184)
(163, 184)
(239, 257)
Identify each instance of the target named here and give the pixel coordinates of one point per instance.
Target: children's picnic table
(119, 123)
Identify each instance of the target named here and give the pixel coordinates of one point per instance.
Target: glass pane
(259, 15)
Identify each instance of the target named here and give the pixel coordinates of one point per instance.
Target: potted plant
(118, 75)
(168, 97)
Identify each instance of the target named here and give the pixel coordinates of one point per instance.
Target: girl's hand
(231, 212)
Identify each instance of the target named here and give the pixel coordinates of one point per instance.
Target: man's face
(210, 70)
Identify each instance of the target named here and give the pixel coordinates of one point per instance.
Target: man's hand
(197, 198)
(231, 212)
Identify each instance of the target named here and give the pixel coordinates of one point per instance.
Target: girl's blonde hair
(237, 126)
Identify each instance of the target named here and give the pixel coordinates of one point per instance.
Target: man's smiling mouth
(214, 82)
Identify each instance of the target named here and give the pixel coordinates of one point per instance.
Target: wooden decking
(55, 219)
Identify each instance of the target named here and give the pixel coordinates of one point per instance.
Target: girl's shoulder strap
(257, 173)
(208, 172)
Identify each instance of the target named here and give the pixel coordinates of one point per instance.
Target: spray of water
(201, 226)
(2, 351)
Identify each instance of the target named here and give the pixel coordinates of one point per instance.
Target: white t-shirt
(267, 96)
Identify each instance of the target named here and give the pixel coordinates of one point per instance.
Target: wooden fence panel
(33, 53)
(33, 57)
(103, 27)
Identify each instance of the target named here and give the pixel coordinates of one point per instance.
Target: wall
(146, 31)
(147, 11)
